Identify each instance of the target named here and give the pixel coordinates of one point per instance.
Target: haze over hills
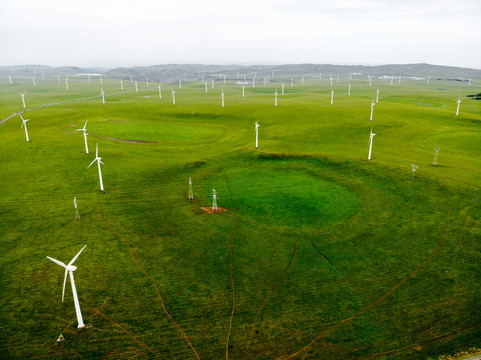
(174, 72)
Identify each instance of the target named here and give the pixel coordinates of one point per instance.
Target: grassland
(320, 254)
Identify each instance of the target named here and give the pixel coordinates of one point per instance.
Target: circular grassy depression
(274, 195)
(159, 131)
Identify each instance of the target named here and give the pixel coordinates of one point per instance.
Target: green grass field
(320, 254)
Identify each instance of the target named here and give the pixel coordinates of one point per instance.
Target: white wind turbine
(33, 79)
(243, 91)
(66, 82)
(43, 76)
(257, 133)
(147, 82)
(429, 78)
(70, 268)
(332, 97)
(224, 79)
(212, 83)
(173, 96)
(99, 161)
(101, 81)
(136, 87)
(435, 161)
(370, 80)
(131, 80)
(84, 129)
(88, 75)
(254, 83)
(275, 98)
(282, 89)
(206, 87)
(392, 79)
(337, 78)
(469, 84)
(10, 79)
(292, 82)
(180, 84)
(372, 108)
(214, 201)
(265, 81)
(122, 85)
(23, 99)
(349, 91)
(58, 78)
(302, 80)
(103, 95)
(330, 78)
(459, 103)
(320, 76)
(414, 167)
(371, 136)
(399, 79)
(377, 96)
(222, 97)
(191, 191)
(160, 92)
(24, 123)
(77, 215)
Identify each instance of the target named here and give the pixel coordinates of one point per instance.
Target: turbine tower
(70, 268)
(257, 133)
(332, 97)
(173, 96)
(370, 144)
(372, 108)
(459, 103)
(24, 123)
(99, 161)
(191, 191)
(84, 129)
(214, 201)
(23, 99)
(222, 97)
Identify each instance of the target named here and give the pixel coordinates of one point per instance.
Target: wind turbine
(24, 123)
(265, 81)
(243, 91)
(43, 76)
(33, 79)
(66, 82)
(332, 97)
(224, 79)
(435, 161)
(372, 108)
(414, 167)
(222, 97)
(282, 88)
(147, 82)
(275, 97)
(330, 78)
(77, 215)
(212, 83)
(214, 201)
(160, 92)
(180, 84)
(103, 95)
(70, 268)
(469, 84)
(88, 75)
(136, 87)
(257, 133)
(10, 79)
(350, 76)
(58, 79)
(101, 82)
(429, 78)
(254, 83)
(122, 85)
(392, 79)
(459, 103)
(320, 76)
(371, 136)
(206, 87)
(99, 161)
(399, 79)
(84, 129)
(377, 96)
(349, 91)
(337, 78)
(131, 80)
(292, 82)
(370, 80)
(173, 96)
(191, 191)
(23, 99)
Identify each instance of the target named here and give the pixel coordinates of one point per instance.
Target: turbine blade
(21, 116)
(57, 262)
(85, 126)
(76, 256)
(92, 163)
(64, 281)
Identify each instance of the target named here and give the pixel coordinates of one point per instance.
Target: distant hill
(171, 73)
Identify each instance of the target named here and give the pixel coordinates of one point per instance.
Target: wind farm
(306, 240)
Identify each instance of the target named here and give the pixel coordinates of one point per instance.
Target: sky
(144, 32)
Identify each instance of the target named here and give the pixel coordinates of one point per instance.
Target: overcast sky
(142, 32)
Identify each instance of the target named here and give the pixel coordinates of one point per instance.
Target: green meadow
(316, 252)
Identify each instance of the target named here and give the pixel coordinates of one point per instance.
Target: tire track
(368, 307)
(150, 278)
